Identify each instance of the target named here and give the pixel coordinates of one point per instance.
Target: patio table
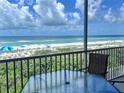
(66, 81)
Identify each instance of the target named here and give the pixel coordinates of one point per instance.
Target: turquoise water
(30, 40)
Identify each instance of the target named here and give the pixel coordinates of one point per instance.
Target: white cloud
(76, 15)
(109, 16)
(11, 16)
(93, 6)
(28, 2)
(121, 17)
(50, 13)
(79, 4)
(74, 18)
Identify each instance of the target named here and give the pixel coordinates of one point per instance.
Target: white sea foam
(78, 44)
(24, 41)
(43, 46)
(108, 41)
(5, 42)
(48, 40)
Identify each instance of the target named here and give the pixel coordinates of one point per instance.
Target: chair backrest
(98, 64)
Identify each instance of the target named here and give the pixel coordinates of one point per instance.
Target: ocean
(45, 40)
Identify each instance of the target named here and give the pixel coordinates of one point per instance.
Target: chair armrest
(116, 81)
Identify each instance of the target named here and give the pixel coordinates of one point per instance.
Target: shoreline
(31, 50)
(91, 43)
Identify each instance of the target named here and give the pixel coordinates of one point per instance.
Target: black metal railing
(14, 73)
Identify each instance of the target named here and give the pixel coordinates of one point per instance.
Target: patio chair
(115, 81)
(98, 64)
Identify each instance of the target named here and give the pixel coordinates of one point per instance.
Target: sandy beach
(32, 50)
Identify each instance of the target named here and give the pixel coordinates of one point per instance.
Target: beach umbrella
(10, 48)
(6, 48)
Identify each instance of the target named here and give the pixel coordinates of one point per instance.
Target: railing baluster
(34, 67)
(77, 60)
(80, 61)
(118, 57)
(60, 62)
(28, 68)
(14, 68)
(121, 61)
(69, 61)
(55, 63)
(115, 56)
(65, 62)
(45, 65)
(0, 89)
(110, 62)
(73, 61)
(51, 64)
(7, 82)
(40, 66)
(21, 75)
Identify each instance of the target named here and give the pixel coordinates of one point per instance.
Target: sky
(60, 17)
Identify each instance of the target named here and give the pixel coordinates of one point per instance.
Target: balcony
(15, 74)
